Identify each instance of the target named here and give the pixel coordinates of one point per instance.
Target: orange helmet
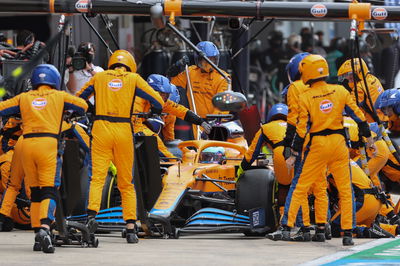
(124, 58)
(346, 67)
(313, 67)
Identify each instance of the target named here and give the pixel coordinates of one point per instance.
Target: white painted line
(348, 252)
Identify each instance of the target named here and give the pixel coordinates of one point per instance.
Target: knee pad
(35, 194)
(48, 193)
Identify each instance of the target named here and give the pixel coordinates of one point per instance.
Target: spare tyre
(256, 190)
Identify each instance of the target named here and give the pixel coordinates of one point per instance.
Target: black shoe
(37, 246)
(283, 233)
(92, 224)
(303, 235)
(328, 232)
(45, 240)
(131, 236)
(375, 231)
(347, 241)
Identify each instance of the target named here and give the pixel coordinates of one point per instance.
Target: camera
(83, 55)
(78, 61)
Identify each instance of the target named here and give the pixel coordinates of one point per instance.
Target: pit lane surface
(206, 250)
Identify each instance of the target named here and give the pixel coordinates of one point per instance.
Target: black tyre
(108, 197)
(80, 207)
(255, 189)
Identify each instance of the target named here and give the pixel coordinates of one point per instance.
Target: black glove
(178, 67)
(155, 111)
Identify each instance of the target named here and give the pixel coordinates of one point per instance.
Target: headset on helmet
(122, 58)
(175, 96)
(277, 111)
(160, 83)
(313, 67)
(292, 68)
(212, 155)
(46, 74)
(210, 50)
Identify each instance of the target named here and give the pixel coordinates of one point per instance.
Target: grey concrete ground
(226, 249)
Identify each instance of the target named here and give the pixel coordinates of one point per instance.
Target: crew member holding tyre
(163, 86)
(112, 134)
(271, 134)
(322, 105)
(41, 112)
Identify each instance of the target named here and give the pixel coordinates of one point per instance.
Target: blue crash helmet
(160, 83)
(212, 155)
(46, 74)
(209, 49)
(277, 109)
(175, 96)
(388, 98)
(292, 68)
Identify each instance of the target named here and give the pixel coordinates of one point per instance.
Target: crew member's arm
(87, 90)
(143, 90)
(182, 112)
(75, 104)
(292, 102)
(10, 107)
(254, 150)
(168, 130)
(301, 127)
(352, 109)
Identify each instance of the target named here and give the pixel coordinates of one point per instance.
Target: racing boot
(319, 235)
(37, 246)
(347, 238)
(283, 233)
(303, 235)
(44, 238)
(131, 236)
(375, 231)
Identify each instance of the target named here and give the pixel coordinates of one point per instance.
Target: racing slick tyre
(108, 197)
(255, 190)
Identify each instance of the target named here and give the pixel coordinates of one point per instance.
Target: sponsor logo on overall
(326, 106)
(319, 10)
(115, 84)
(379, 13)
(39, 103)
(82, 6)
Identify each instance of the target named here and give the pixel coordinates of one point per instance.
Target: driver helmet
(212, 155)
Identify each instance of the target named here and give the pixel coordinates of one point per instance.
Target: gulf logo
(325, 106)
(82, 6)
(115, 84)
(319, 10)
(379, 13)
(39, 103)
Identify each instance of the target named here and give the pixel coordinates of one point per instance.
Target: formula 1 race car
(198, 193)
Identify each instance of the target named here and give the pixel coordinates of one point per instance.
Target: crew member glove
(207, 127)
(239, 173)
(155, 111)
